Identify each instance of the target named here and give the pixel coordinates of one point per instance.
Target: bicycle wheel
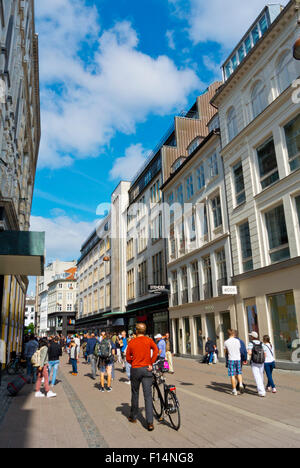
(156, 402)
(173, 410)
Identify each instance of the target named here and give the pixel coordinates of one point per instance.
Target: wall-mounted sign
(230, 290)
(159, 288)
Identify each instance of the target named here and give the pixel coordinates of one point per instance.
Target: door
(211, 327)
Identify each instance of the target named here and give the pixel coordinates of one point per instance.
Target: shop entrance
(211, 327)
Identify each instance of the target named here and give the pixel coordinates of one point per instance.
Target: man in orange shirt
(141, 353)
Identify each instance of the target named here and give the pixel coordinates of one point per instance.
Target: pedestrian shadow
(186, 384)
(123, 379)
(227, 388)
(125, 410)
(90, 376)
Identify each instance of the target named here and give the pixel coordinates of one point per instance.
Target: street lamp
(296, 48)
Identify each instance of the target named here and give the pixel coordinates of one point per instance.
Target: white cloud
(64, 235)
(86, 102)
(171, 40)
(126, 167)
(217, 20)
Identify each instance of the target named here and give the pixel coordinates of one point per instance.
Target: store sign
(230, 290)
(159, 288)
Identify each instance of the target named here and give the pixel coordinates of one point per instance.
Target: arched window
(285, 71)
(258, 99)
(232, 124)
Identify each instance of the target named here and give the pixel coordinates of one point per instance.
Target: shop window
(292, 135)
(188, 343)
(252, 315)
(267, 163)
(285, 327)
(277, 234)
(199, 332)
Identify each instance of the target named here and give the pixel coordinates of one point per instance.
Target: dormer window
(194, 145)
(176, 165)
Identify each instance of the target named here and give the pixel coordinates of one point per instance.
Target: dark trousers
(141, 376)
(31, 371)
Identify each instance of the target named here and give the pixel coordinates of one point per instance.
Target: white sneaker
(128, 382)
(234, 393)
(51, 394)
(274, 390)
(39, 395)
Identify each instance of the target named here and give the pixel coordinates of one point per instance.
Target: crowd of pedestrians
(136, 355)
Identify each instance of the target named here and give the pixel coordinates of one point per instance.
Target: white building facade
(260, 126)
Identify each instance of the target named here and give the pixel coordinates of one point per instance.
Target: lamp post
(296, 48)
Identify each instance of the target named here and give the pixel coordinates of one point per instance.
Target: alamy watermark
(296, 353)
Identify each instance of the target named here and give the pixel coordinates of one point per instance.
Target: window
(130, 254)
(213, 166)
(201, 177)
(246, 248)
(184, 285)
(248, 44)
(69, 307)
(263, 24)
(143, 278)
(194, 145)
(298, 208)
(192, 226)
(95, 301)
(252, 315)
(108, 288)
(292, 135)
(195, 282)
(277, 234)
(285, 326)
(156, 228)
(222, 270)
(155, 193)
(258, 99)
(157, 268)
(130, 284)
(101, 297)
(241, 53)
(255, 34)
(189, 187)
(174, 282)
(232, 124)
(267, 163)
(179, 194)
(208, 287)
(142, 240)
(239, 184)
(217, 211)
(285, 71)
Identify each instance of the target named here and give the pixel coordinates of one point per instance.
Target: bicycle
(15, 366)
(165, 402)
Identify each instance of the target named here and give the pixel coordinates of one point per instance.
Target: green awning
(22, 253)
(111, 314)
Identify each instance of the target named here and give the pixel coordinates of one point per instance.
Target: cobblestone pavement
(82, 417)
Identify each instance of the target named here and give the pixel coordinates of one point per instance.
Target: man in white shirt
(233, 354)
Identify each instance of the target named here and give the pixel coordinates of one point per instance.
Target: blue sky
(113, 75)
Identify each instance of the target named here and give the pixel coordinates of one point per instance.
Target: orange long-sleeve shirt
(139, 352)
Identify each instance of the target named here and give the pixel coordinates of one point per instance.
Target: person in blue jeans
(55, 352)
(270, 364)
(210, 348)
(30, 348)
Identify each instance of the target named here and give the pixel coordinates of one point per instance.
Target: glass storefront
(225, 325)
(160, 323)
(252, 316)
(211, 327)
(188, 343)
(199, 335)
(285, 327)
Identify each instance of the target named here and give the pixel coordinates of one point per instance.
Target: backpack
(36, 359)
(258, 354)
(105, 350)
